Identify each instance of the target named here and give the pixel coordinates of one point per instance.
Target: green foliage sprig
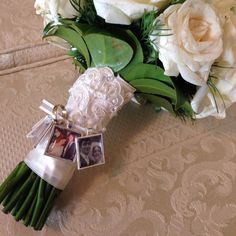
(148, 26)
(87, 12)
(176, 1)
(211, 82)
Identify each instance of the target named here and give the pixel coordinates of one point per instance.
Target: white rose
(206, 104)
(203, 102)
(51, 9)
(227, 10)
(125, 11)
(195, 41)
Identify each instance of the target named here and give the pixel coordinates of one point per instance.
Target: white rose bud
(125, 11)
(195, 41)
(51, 9)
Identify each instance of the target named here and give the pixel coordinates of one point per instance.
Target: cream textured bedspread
(162, 176)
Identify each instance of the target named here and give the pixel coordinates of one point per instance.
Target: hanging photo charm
(62, 143)
(55, 128)
(90, 151)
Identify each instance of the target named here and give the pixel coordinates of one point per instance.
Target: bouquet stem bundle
(27, 196)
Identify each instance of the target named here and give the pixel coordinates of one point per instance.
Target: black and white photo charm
(90, 151)
(62, 143)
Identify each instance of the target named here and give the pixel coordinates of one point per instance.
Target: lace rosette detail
(96, 97)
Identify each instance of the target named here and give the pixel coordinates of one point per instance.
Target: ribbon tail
(40, 130)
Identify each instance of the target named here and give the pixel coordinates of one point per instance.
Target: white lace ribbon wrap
(94, 99)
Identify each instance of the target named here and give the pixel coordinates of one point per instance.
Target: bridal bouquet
(178, 55)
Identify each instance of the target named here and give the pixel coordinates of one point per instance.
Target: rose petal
(196, 40)
(125, 11)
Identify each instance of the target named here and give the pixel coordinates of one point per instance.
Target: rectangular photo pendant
(90, 151)
(62, 143)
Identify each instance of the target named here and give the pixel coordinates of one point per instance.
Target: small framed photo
(91, 151)
(62, 143)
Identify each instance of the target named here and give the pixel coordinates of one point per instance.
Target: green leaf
(131, 39)
(50, 28)
(138, 51)
(181, 99)
(146, 71)
(76, 5)
(76, 28)
(73, 38)
(152, 86)
(81, 66)
(186, 110)
(78, 59)
(81, 28)
(107, 50)
(159, 101)
(66, 21)
(177, 1)
(121, 34)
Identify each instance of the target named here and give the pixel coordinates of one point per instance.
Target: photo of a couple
(62, 144)
(91, 151)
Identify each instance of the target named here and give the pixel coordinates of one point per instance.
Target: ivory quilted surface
(162, 176)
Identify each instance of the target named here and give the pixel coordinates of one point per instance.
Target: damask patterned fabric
(162, 176)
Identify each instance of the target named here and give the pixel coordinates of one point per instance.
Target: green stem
(7, 198)
(23, 189)
(11, 183)
(48, 206)
(18, 204)
(39, 203)
(48, 190)
(28, 200)
(13, 191)
(29, 214)
(12, 174)
(33, 206)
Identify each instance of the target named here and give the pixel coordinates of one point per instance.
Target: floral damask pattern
(19, 24)
(162, 176)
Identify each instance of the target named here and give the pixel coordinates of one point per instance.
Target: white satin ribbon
(40, 129)
(55, 171)
(45, 125)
